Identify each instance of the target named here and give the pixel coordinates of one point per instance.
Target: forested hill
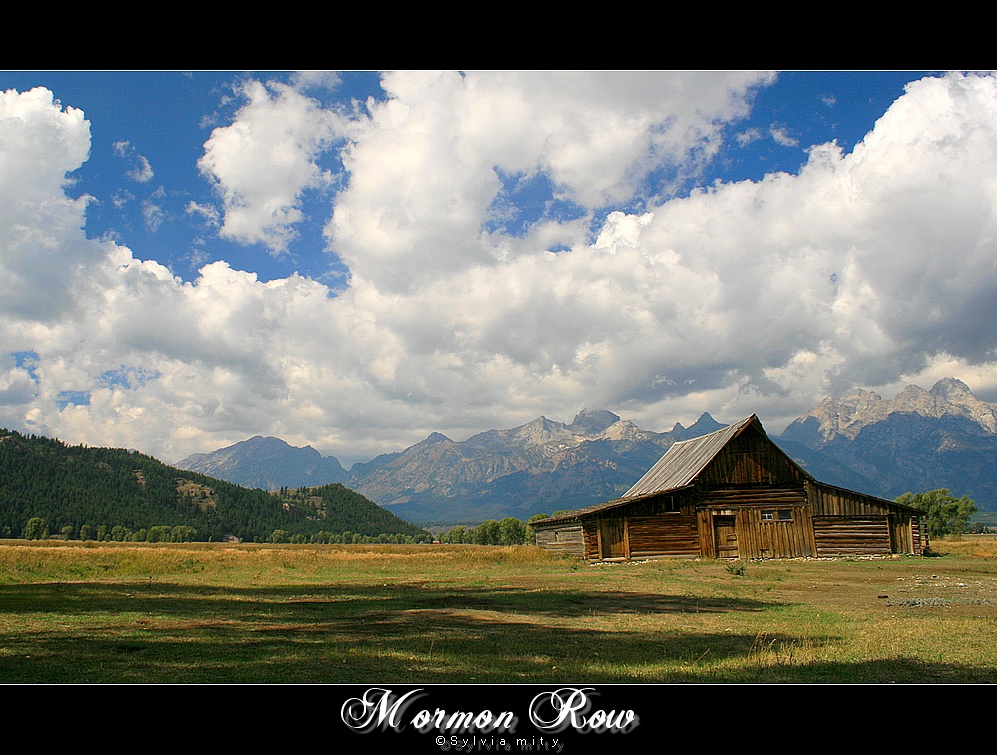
(116, 494)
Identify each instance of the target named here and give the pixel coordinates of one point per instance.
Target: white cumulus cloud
(264, 161)
(864, 268)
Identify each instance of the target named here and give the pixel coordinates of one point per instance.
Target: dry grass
(72, 612)
(978, 546)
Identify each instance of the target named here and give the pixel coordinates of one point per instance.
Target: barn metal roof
(683, 462)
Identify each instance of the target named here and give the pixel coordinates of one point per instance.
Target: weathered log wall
(565, 539)
(665, 535)
(851, 536)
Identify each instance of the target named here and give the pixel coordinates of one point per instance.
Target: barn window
(781, 515)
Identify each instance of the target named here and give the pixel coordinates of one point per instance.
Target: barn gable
(733, 493)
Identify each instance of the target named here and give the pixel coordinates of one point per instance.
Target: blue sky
(128, 107)
(353, 259)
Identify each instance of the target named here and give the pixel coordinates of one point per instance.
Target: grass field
(74, 612)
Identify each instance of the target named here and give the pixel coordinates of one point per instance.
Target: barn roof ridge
(684, 460)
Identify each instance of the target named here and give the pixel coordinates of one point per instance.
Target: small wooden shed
(734, 494)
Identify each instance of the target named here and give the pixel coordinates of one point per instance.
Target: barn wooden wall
(847, 523)
(565, 539)
(851, 536)
(828, 500)
(761, 538)
(655, 527)
(758, 537)
(665, 535)
(591, 529)
(691, 533)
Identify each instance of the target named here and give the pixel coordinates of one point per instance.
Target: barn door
(725, 536)
(611, 538)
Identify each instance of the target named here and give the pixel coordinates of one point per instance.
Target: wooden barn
(734, 494)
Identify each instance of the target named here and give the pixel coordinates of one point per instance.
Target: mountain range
(920, 440)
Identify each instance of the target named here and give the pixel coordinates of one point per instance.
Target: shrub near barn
(946, 514)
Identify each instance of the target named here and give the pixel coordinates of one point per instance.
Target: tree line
(507, 531)
(37, 528)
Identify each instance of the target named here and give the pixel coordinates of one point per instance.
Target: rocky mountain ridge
(268, 463)
(921, 440)
(539, 467)
(848, 415)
